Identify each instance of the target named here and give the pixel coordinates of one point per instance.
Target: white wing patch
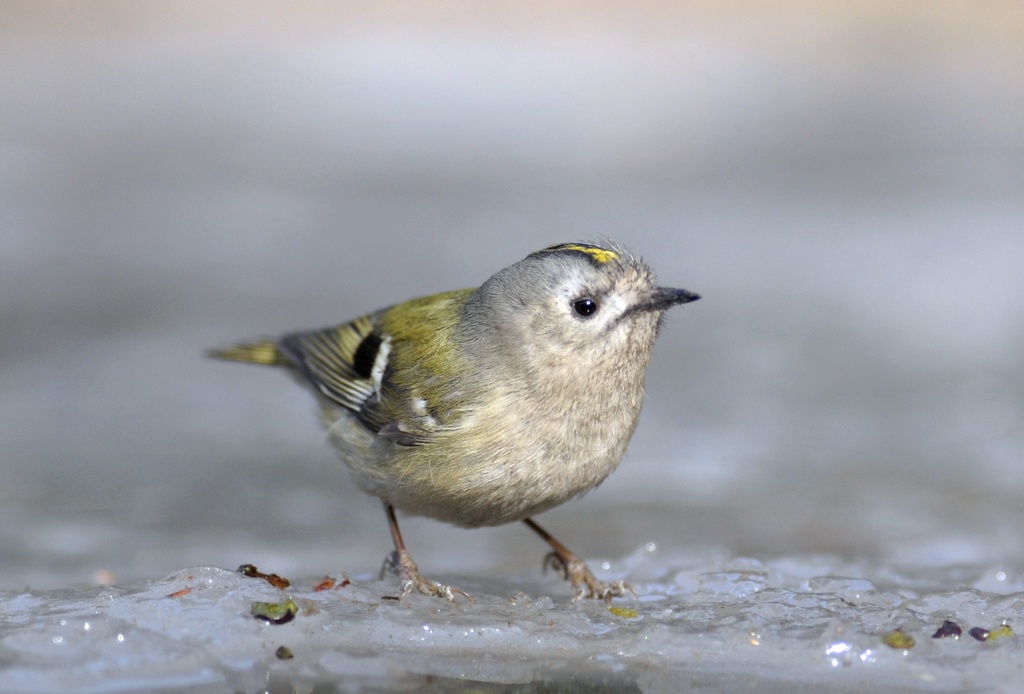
(380, 362)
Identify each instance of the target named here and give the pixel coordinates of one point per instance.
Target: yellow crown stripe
(597, 254)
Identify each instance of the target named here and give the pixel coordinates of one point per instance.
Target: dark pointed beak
(665, 298)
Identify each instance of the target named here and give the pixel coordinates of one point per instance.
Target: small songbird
(483, 406)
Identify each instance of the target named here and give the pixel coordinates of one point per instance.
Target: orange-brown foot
(410, 579)
(584, 583)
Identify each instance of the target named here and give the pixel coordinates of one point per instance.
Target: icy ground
(737, 625)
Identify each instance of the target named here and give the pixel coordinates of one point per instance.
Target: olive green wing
(396, 370)
(338, 361)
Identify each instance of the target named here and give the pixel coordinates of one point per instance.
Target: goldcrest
(490, 405)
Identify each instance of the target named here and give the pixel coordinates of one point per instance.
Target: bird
(488, 405)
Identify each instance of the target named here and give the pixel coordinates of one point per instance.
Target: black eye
(584, 307)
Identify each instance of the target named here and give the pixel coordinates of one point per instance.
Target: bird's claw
(584, 583)
(401, 563)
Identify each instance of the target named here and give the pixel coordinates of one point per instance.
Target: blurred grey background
(842, 182)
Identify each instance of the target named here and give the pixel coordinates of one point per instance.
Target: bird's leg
(408, 573)
(576, 571)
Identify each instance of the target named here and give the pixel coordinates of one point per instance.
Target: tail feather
(262, 352)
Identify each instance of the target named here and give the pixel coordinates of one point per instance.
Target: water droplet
(838, 654)
(837, 648)
(650, 546)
